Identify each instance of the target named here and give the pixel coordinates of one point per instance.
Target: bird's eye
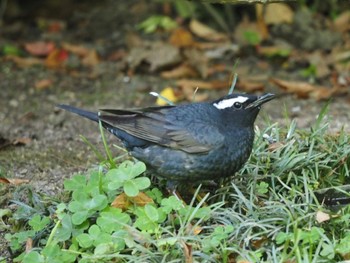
(237, 105)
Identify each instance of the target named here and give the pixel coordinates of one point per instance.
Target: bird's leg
(171, 187)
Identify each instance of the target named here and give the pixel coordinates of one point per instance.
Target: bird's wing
(154, 125)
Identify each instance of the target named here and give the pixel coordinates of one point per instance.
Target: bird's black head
(241, 108)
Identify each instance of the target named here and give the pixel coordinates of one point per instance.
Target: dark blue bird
(190, 142)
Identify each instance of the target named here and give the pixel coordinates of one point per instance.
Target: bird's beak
(261, 100)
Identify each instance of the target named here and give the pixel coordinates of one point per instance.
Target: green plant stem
(53, 232)
(108, 151)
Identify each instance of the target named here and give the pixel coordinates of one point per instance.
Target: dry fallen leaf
(274, 146)
(157, 56)
(182, 71)
(187, 248)
(21, 141)
(197, 59)
(123, 202)
(25, 62)
(192, 95)
(250, 86)
(259, 242)
(206, 32)
(76, 49)
(91, 59)
(218, 68)
(142, 199)
(277, 13)
(301, 89)
(43, 84)
(56, 58)
(342, 22)
(306, 90)
(13, 181)
(181, 37)
(40, 48)
(117, 55)
(193, 84)
(322, 217)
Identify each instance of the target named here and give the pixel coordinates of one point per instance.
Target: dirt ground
(49, 148)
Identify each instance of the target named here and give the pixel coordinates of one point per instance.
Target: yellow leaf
(197, 230)
(167, 93)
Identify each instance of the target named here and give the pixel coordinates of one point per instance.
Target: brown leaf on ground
(300, 89)
(21, 141)
(250, 86)
(259, 242)
(190, 83)
(342, 22)
(91, 58)
(323, 93)
(218, 68)
(277, 13)
(187, 248)
(197, 59)
(25, 62)
(13, 181)
(121, 201)
(192, 95)
(133, 40)
(203, 31)
(158, 55)
(306, 90)
(78, 50)
(43, 84)
(182, 71)
(213, 45)
(117, 55)
(142, 199)
(181, 37)
(40, 48)
(275, 146)
(56, 58)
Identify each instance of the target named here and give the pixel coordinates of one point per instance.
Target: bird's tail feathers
(86, 114)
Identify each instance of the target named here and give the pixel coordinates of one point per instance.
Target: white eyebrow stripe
(229, 102)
